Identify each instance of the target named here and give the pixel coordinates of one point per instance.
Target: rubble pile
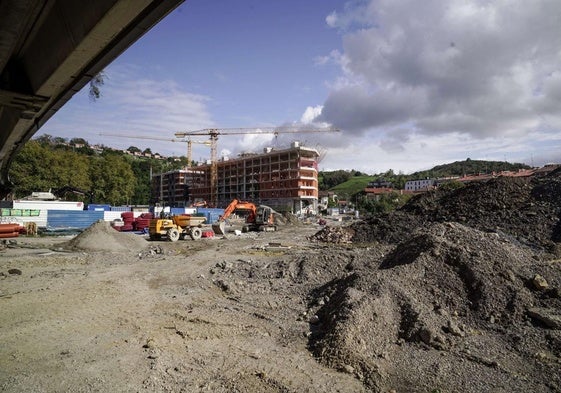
(448, 303)
(336, 235)
(288, 219)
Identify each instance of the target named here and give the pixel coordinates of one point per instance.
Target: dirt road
(156, 319)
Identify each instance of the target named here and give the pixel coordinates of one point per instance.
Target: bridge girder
(50, 49)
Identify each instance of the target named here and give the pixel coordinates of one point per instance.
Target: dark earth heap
(465, 298)
(526, 210)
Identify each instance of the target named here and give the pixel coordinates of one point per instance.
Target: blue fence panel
(177, 210)
(69, 219)
(212, 214)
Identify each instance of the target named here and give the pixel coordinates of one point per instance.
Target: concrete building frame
(286, 180)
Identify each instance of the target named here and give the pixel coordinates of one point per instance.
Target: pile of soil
(100, 236)
(450, 309)
(447, 304)
(331, 234)
(456, 292)
(527, 210)
(467, 296)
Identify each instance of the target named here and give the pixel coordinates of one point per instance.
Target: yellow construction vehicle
(176, 227)
(259, 218)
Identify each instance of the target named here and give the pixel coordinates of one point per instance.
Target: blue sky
(410, 84)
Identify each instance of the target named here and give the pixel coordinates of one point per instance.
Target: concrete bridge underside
(50, 49)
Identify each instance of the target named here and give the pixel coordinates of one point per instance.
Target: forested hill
(467, 167)
(109, 175)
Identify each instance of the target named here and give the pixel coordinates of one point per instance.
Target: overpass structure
(50, 49)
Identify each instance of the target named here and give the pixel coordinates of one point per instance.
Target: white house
(420, 185)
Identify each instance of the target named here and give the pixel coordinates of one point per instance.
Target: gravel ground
(455, 292)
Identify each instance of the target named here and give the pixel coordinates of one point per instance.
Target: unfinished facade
(286, 180)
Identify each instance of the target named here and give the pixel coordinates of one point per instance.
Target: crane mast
(190, 150)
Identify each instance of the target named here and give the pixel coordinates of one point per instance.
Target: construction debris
(527, 211)
(337, 235)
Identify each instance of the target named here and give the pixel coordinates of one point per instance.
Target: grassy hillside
(351, 186)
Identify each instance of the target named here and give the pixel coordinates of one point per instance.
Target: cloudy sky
(410, 84)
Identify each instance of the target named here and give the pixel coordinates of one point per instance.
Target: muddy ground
(450, 300)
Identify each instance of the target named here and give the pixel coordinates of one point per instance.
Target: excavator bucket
(219, 227)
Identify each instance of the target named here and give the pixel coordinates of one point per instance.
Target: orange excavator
(259, 218)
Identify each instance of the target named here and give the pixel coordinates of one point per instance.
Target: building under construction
(286, 180)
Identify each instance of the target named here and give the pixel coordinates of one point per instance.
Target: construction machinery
(259, 218)
(176, 227)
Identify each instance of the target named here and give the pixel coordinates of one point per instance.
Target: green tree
(57, 140)
(451, 185)
(329, 180)
(44, 139)
(30, 171)
(141, 170)
(385, 203)
(39, 167)
(78, 142)
(113, 179)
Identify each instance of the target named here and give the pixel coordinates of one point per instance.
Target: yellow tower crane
(213, 134)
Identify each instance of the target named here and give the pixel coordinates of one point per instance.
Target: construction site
(285, 179)
(458, 291)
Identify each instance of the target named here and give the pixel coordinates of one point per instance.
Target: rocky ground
(456, 292)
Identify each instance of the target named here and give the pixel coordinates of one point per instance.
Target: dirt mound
(447, 304)
(528, 211)
(101, 237)
(288, 219)
(467, 298)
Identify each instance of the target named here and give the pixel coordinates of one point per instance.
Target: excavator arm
(236, 204)
(220, 227)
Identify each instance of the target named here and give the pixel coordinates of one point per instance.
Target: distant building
(376, 193)
(430, 184)
(375, 189)
(325, 197)
(420, 185)
(546, 169)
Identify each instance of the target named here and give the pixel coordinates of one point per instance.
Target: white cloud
(420, 83)
(311, 113)
(408, 152)
(332, 19)
(479, 68)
